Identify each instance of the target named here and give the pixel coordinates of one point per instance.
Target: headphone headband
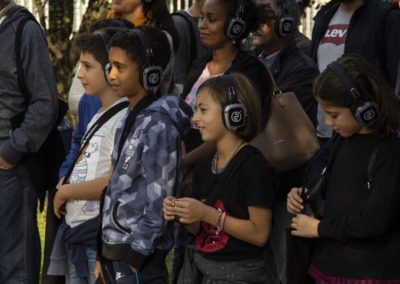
(285, 24)
(151, 74)
(235, 26)
(105, 38)
(366, 112)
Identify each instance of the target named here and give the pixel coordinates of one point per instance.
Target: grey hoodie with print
(148, 170)
(42, 110)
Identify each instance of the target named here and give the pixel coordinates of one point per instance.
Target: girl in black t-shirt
(231, 214)
(359, 233)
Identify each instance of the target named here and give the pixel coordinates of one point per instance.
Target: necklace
(214, 163)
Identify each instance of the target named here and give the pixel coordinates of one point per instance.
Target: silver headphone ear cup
(367, 113)
(107, 70)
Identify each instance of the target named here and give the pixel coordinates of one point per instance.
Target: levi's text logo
(335, 34)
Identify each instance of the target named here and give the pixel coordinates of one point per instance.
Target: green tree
(59, 32)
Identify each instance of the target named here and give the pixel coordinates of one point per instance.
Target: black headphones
(105, 39)
(366, 112)
(235, 25)
(151, 74)
(285, 24)
(234, 114)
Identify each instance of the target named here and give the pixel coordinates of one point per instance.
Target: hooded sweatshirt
(148, 170)
(41, 111)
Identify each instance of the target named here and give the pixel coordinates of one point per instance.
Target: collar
(281, 55)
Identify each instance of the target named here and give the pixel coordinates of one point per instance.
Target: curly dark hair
(157, 11)
(97, 45)
(129, 41)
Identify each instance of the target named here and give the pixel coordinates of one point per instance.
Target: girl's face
(342, 120)
(213, 17)
(208, 117)
(126, 6)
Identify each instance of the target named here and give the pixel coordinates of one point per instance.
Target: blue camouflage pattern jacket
(148, 170)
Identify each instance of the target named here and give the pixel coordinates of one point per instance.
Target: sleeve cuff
(322, 231)
(10, 154)
(135, 259)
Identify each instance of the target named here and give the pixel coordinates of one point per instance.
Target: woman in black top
(224, 24)
(231, 213)
(359, 233)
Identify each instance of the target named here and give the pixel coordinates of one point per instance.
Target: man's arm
(41, 112)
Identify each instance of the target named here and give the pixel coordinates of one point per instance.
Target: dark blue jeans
(19, 236)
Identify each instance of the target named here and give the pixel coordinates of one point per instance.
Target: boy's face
(91, 74)
(124, 74)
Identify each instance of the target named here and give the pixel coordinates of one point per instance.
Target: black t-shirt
(246, 181)
(360, 233)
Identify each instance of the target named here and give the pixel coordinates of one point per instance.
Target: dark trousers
(119, 272)
(19, 235)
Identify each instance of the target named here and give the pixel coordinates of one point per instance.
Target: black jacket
(244, 63)
(374, 33)
(294, 71)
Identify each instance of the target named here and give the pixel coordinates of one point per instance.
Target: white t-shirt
(191, 96)
(330, 48)
(95, 162)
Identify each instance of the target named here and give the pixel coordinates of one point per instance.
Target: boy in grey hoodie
(146, 160)
(19, 238)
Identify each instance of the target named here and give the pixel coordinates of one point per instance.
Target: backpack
(45, 163)
(193, 40)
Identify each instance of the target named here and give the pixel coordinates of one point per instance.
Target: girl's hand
(294, 203)
(305, 226)
(58, 203)
(169, 208)
(189, 210)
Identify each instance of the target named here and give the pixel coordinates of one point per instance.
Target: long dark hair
(371, 86)
(157, 11)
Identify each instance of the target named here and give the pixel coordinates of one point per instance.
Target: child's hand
(169, 208)
(58, 204)
(98, 272)
(60, 183)
(294, 202)
(189, 210)
(305, 226)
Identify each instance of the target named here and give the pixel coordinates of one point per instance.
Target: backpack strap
(93, 129)
(18, 39)
(193, 47)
